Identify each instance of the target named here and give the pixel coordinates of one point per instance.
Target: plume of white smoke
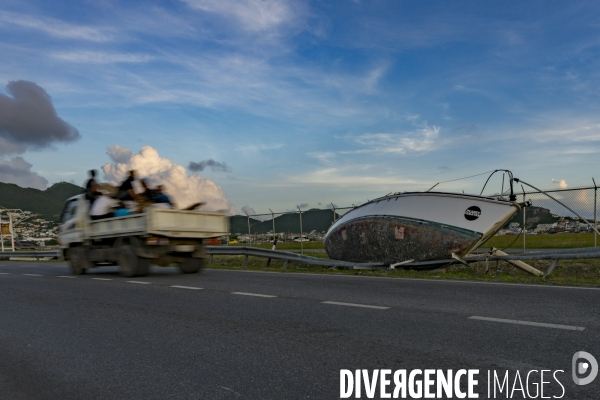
(560, 182)
(182, 188)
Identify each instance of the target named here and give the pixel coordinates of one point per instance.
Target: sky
(253, 105)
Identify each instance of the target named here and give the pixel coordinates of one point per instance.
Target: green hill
(533, 217)
(312, 220)
(48, 203)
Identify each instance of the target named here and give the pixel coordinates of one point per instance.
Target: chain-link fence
(546, 224)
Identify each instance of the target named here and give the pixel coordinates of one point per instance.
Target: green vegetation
(48, 203)
(546, 241)
(567, 273)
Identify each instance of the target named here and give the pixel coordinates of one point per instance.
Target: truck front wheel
(77, 260)
(131, 264)
(191, 265)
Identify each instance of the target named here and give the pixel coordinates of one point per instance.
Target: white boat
(419, 226)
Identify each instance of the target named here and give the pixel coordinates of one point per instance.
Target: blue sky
(316, 102)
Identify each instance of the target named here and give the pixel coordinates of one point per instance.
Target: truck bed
(161, 222)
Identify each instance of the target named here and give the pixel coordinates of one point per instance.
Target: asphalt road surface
(236, 334)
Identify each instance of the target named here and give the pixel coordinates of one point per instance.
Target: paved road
(211, 336)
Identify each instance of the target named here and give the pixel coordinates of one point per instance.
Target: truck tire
(191, 265)
(77, 260)
(131, 264)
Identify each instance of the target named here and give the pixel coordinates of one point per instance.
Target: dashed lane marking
(337, 303)
(253, 294)
(186, 287)
(33, 275)
(107, 279)
(65, 276)
(530, 323)
(4, 273)
(140, 282)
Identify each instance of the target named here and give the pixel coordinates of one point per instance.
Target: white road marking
(65, 276)
(186, 287)
(103, 279)
(253, 294)
(33, 275)
(540, 324)
(4, 273)
(337, 303)
(141, 283)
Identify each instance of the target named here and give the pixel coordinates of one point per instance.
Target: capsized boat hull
(419, 226)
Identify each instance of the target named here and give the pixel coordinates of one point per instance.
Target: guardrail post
(268, 262)
(210, 259)
(245, 262)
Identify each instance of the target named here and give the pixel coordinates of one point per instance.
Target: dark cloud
(28, 120)
(214, 165)
(18, 171)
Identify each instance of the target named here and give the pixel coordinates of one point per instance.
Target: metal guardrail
(557, 254)
(286, 256)
(36, 254)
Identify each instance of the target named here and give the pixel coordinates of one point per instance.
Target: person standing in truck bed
(91, 187)
(126, 191)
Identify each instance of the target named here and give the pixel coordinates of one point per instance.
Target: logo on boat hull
(472, 213)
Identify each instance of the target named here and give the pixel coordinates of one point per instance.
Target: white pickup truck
(157, 236)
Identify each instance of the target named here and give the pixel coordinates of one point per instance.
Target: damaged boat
(419, 226)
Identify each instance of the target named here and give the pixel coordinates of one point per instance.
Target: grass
(567, 273)
(553, 241)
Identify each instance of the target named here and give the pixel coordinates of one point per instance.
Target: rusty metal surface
(394, 239)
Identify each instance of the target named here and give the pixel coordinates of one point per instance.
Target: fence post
(301, 238)
(595, 211)
(333, 208)
(249, 234)
(274, 240)
(1, 232)
(524, 219)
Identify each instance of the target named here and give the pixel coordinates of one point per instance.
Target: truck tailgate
(186, 224)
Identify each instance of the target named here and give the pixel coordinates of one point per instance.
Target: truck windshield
(69, 211)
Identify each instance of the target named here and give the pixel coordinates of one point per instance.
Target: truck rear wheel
(131, 264)
(77, 260)
(191, 265)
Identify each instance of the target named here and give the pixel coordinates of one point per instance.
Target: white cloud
(184, 189)
(56, 28)
(326, 157)
(252, 15)
(422, 140)
(254, 149)
(560, 182)
(347, 177)
(119, 154)
(97, 57)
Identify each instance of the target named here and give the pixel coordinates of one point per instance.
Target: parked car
(25, 245)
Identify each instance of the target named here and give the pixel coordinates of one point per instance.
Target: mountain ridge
(48, 203)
